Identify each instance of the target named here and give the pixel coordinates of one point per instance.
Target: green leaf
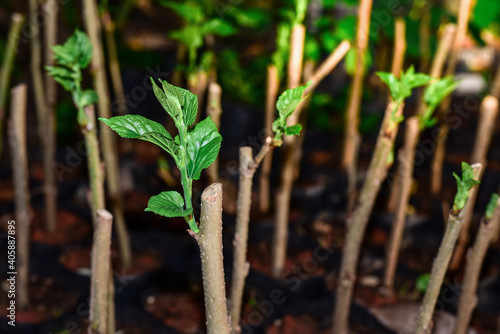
(401, 88)
(139, 127)
(392, 82)
(190, 36)
(290, 99)
(438, 90)
(346, 28)
(169, 204)
(184, 99)
(293, 130)
(422, 282)
(218, 27)
(492, 205)
(63, 76)
(249, 17)
(77, 50)
(203, 147)
(87, 97)
(171, 106)
(464, 184)
(189, 11)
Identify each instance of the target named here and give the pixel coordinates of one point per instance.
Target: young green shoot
(434, 94)
(400, 89)
(197, 25)
(193, 150)
(71, 58)
(286, 105)
(464, 184)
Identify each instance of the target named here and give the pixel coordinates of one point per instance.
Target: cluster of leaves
(286, 105)
(433, 96)
(492, 205)
(401, 88)
(193, 149)
(202, 18)
(71, 58)
(464, 184)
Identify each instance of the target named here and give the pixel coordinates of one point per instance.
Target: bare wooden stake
(214, 110)
(240, 265)
(210, 242)
(101, 274)
(18, 147)
(351, 131)
(399, 46)
(50, 9)
(109, 149)
(7, 65)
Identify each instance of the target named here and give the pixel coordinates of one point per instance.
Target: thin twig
(271, 95)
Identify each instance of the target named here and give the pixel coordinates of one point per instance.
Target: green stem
(187, 182)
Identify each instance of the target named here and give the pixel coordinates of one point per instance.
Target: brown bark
(210, 242)
(20, 177)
